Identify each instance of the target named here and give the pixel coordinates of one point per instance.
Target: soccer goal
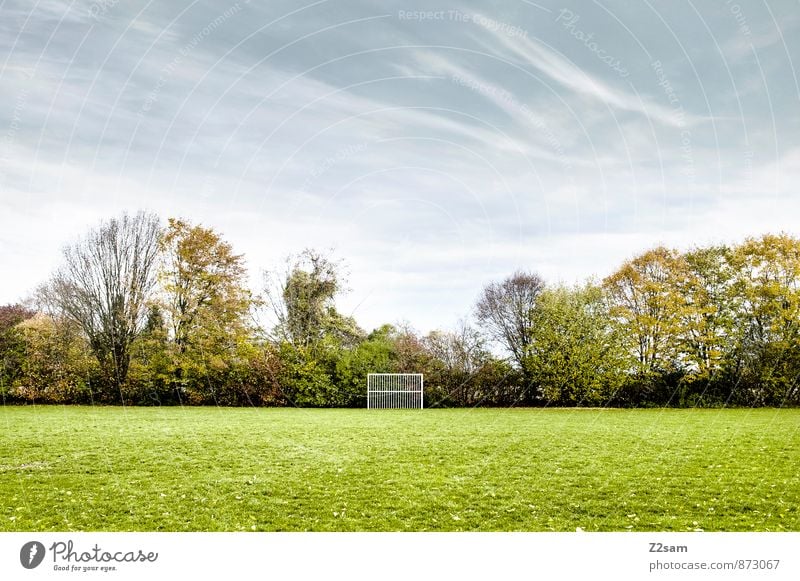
(394, 390)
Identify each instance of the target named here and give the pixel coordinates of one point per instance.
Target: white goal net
(394, 390)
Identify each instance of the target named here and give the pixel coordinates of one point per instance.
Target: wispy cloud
(433, 155)
(564, 73)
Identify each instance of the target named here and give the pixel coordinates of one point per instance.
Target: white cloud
(427, 187)
(566, 74)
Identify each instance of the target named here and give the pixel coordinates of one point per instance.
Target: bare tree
(504, 310)
(461, 350)
(104, 285)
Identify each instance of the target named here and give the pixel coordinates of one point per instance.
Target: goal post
(394, 391)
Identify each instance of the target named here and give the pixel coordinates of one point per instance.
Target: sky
(432, 146)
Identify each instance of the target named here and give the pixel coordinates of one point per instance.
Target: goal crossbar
(394, 391)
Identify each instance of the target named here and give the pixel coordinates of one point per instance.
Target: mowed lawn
(209, 469)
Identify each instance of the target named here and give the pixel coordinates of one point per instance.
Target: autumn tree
(206, 300)
(645, 298)
(104, 286)
(13, 315)
(766, 358)
(57, 364)
(768, 283)
(204, 284)
(708, 318)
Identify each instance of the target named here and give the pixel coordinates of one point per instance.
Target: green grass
(203, 469)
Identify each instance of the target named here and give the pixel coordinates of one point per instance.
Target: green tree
(304, 378)
(302, 300)
(576, 356)
(12, 346)
(375, 354)
(152, 371)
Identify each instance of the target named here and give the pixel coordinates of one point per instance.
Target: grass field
(198, 469)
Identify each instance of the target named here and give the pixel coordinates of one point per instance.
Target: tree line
(145, 313)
